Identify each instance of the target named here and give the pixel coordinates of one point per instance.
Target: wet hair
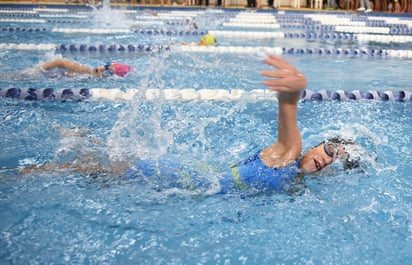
(347, 161)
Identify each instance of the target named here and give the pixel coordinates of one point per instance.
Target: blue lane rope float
(18, 29)
(402, 95)
(90, 94)
(68, 21)
(112, 48)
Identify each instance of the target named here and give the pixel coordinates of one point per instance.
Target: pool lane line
(140, 48)
(384, 34)
(185, 95)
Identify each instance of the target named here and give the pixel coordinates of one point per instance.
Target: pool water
(62, 216)
(337, 217)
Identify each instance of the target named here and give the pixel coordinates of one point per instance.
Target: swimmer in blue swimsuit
(248, 174)
(275, 168)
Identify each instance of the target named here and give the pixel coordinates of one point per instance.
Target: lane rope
(133, 48)
(84, 94)
(383, 34)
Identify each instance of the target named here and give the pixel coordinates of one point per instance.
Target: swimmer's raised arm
(68, 65)
(288, 82)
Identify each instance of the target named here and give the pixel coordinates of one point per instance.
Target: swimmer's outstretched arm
(85, 164)
(288, 82)
(68, 65)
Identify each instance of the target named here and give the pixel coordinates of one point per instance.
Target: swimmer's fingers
(283, 74)
(287, 77)
(277, 73)
(284, 69)
(289, 84)
(279, 63)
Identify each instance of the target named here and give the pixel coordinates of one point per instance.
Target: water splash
(138, 131)
(107, 17)
(151, 129)
(211, 19)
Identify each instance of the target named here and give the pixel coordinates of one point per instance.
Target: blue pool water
(66, 217)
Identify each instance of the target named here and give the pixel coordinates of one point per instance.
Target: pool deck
(123, 3)
(158, 4)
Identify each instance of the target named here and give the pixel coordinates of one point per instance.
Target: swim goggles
(331, 149)
(107, 66)
(108, 70)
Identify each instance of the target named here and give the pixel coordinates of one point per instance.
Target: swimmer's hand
(287, 78)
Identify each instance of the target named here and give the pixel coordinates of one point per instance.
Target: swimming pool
(178, 105)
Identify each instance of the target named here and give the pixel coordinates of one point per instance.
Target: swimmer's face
(316, 158)
(98, 71)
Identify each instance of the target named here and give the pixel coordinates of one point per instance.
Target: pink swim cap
(121, 69)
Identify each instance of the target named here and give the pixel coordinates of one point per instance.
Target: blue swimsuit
(248, 173)
(252, 172)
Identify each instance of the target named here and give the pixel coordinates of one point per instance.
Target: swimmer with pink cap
(114, 68)
(74, 67)
(121, 69)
